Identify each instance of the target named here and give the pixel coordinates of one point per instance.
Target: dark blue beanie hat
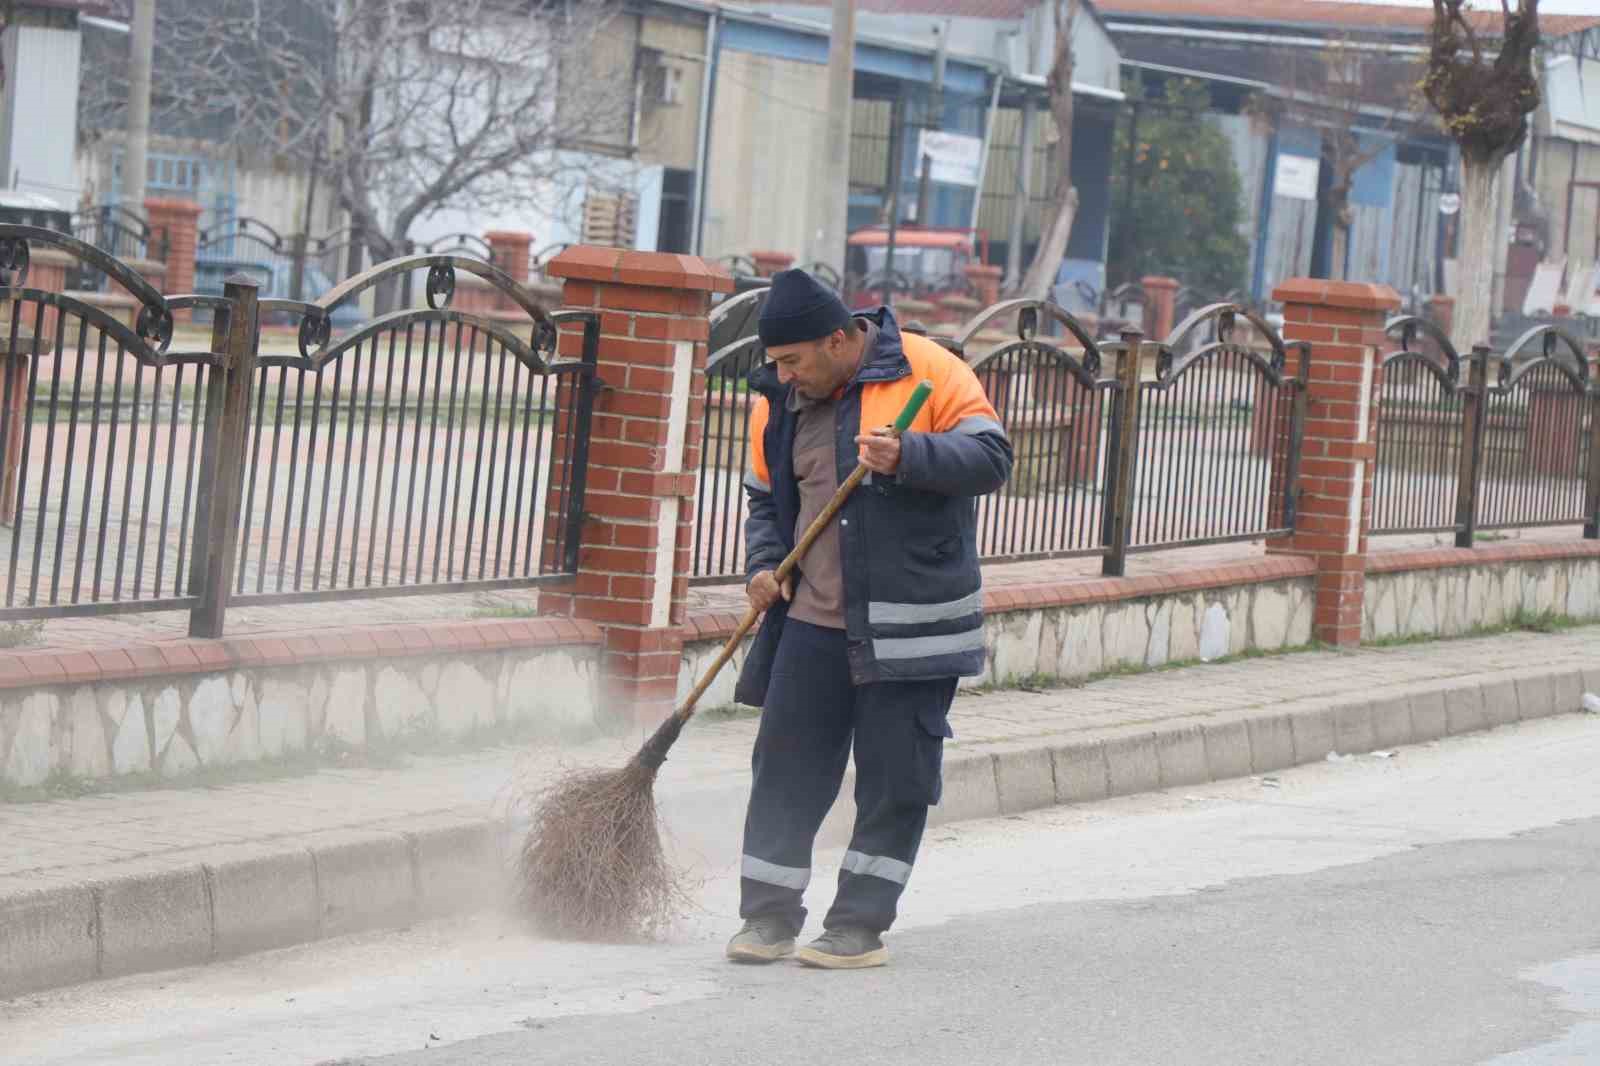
(798, 309)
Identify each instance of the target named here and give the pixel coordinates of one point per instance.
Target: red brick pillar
(1160, 306)
(1555, 416)
(1344, 323)
(644, 452)
(16, 368)
(957, 310)
(985, 283)
(174, 227)
(1442, 309)
(510, 250)
(769, 263)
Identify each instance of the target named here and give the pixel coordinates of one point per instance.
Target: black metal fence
(1220, 430)
(98, 454)
(117, 231)
(286, 265)
(1193, 440)
(1486, 442)
(1056, 409)
(418, 453)
(725, 438)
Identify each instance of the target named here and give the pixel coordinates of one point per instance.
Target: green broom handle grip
(908, 414)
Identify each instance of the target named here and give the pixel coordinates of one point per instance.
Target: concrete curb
(254, 897)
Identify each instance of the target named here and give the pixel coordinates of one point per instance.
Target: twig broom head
(592, 866)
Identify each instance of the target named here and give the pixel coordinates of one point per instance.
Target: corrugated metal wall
(42, 88)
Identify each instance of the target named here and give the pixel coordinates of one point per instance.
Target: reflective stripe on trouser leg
(795, 877)
(899, 747)
(801, 750)
(877, 866)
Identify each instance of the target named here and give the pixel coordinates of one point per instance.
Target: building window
(663, 80)
(677, 195)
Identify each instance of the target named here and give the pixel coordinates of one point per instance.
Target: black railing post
(407, 248)
(1591, 505)
(1474, 419)
(297, 266)
(1122, 455)
(1301, 383)
(578, 458)
(217, 538)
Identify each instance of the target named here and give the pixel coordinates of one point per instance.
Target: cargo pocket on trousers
(929, 734)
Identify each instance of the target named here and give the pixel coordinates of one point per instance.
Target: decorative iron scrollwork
(545, 337)
(1027, 323)
(441, 285)
(316, 327)
(13, 262)
(154, 326)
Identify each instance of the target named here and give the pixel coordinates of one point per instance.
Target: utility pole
(932, 119)
(896, 150)
(142, 41)
(1024, 194)
(831, 202)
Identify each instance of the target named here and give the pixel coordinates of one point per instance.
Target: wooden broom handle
(907, 414)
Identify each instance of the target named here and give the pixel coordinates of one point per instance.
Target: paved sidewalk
(121, 883)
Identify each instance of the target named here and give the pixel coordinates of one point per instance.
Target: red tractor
(928, 264)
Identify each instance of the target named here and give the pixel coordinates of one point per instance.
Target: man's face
(815, 367)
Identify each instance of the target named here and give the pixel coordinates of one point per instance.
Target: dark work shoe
(762, 940)
(844, 949)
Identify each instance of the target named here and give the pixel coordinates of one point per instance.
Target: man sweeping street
(885, 614)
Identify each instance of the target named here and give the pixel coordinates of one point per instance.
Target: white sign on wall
(954, 158)
(1296, 177)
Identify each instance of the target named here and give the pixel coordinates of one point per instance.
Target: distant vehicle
(928, 263)
(20, 208)
(274, 279)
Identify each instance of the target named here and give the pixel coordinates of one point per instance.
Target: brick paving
(97, 837)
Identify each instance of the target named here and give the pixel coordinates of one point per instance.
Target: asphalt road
(1440, 906)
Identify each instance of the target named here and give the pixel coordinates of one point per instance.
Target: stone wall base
(1431, 594)
(175, 723)
(106, 722)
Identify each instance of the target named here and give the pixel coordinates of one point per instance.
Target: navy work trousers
(812, 712)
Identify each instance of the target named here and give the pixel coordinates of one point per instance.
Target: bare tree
(1355, 98)
(1484, 103)
(1063, 210)
(404, 108)
(8, 18)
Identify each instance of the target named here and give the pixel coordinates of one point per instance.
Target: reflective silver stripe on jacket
(771, 873)
(877, 866)
(753, 482)
(928, 647)
(975, 424)
(906, 614)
